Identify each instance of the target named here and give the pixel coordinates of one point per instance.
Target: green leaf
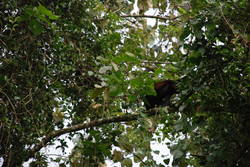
(178, 127)
(42, 9)
(195, 56)
(136, 82)
(182, 11)
(35, 27)
(124, 58)
(185, 33)
(115, 91)
(130, 54)
(29, 11)
(177, 154)
(166, 161)
(157, 152)
(126, 163)
(117, 156)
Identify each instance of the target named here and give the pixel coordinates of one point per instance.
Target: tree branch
(94, 123)
(152, 16)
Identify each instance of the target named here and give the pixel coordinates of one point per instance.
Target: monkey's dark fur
(164, 90)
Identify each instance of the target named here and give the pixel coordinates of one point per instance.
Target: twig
(8, 99)
(157, 62)
(152, 16)
(4, 43)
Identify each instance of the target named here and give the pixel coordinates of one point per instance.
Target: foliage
(76, 65)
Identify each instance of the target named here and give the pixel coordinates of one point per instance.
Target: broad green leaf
(35, 27)
(117, 156)
(42, 9)
(126, 163)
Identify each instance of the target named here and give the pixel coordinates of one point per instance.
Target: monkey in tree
(164, 90)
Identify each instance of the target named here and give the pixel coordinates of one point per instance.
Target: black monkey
(164, 90)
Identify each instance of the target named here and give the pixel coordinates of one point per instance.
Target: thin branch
(57, 155)
(152, 16)
(13, 107)
(157, 62)
(4, 43)
(94, 123)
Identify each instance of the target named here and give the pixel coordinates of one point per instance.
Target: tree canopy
(83, 68)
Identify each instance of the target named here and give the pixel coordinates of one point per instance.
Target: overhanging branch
(94, 123)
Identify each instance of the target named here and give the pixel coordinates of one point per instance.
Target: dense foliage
(83, 68)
